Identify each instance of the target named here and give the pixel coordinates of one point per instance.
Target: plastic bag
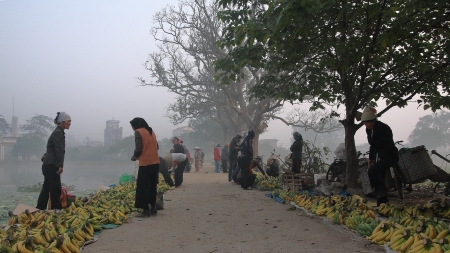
(340, 152)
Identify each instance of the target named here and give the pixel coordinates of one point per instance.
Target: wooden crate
(298, 182)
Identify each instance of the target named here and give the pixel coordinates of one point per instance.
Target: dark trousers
(231, 170)
(377, 176)
(52, 186)
(146, 186)
(296, 165)
(179, 173)
(225, 166)
(244, 165)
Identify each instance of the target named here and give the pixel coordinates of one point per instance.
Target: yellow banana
(22, 249)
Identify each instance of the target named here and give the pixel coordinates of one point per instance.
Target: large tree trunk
(352, 161)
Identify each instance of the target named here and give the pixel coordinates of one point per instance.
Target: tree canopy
(341, 53)
(432, 131)
(5, 128)
(39, 125)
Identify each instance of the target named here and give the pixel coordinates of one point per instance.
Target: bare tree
(187, 38)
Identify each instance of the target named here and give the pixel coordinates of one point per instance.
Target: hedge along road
(209, 214)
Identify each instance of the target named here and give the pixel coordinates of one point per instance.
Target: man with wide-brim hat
(383, 153)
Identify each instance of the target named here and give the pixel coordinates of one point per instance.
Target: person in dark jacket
(224, 156)
(146, 151)
(53, 164)
(296, 149)
(245, 159)
(273, 168)
(233, 155)
(178, 148)
(383, 153)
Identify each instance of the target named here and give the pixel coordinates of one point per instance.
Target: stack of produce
(267, 183)
(67, 230)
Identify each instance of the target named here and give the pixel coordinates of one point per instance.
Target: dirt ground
(421, 194)
(209, 214)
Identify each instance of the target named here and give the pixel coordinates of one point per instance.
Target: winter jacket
(216, 154)
(56, 148)
(224, 155)
(296, 149)
(246, 148)
(234, 149)
(381, 141)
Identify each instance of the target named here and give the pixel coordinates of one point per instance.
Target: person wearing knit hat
(53, 163)
(383, 153)
(369, 114)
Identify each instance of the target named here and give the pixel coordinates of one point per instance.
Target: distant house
(113, 133)
(8, 142)
(182, 130)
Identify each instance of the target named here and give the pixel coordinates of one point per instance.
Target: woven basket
(365, 182)
(416, 165)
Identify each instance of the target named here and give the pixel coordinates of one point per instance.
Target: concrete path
(209, 214)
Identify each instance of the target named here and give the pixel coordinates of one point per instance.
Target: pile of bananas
(67, 230)
(413, 234)
(268, 183)
(350, 211)
(402, 211)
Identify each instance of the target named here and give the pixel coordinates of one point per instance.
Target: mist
(84, 58)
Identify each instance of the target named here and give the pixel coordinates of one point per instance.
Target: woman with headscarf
(245, 159)
(146, 151)
(53, 164)
(296, 149)
(383, 153)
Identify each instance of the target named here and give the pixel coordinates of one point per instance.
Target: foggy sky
(83, 57)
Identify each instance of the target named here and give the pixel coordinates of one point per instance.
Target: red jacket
(216, 154)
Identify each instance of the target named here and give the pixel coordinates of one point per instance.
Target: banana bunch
(398, 212)
(269, 183)
(422, 210)
(423, 244)
(382, 233)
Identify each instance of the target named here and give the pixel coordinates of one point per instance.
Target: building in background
(113, 133)
(182, 130)
(7, 143)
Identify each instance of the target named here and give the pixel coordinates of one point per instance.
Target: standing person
(178, 148)
(198, 160)
(296, 149)
(217, 158)
(383, 152)
(146, 151)
(233, 155)
(188, 157)
(245, 159)
(53, 164)
(224, 156)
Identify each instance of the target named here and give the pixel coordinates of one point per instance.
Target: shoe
(153, 210)
(248, 188)
(143, 214)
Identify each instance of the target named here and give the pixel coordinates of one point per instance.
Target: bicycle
(337, 169)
